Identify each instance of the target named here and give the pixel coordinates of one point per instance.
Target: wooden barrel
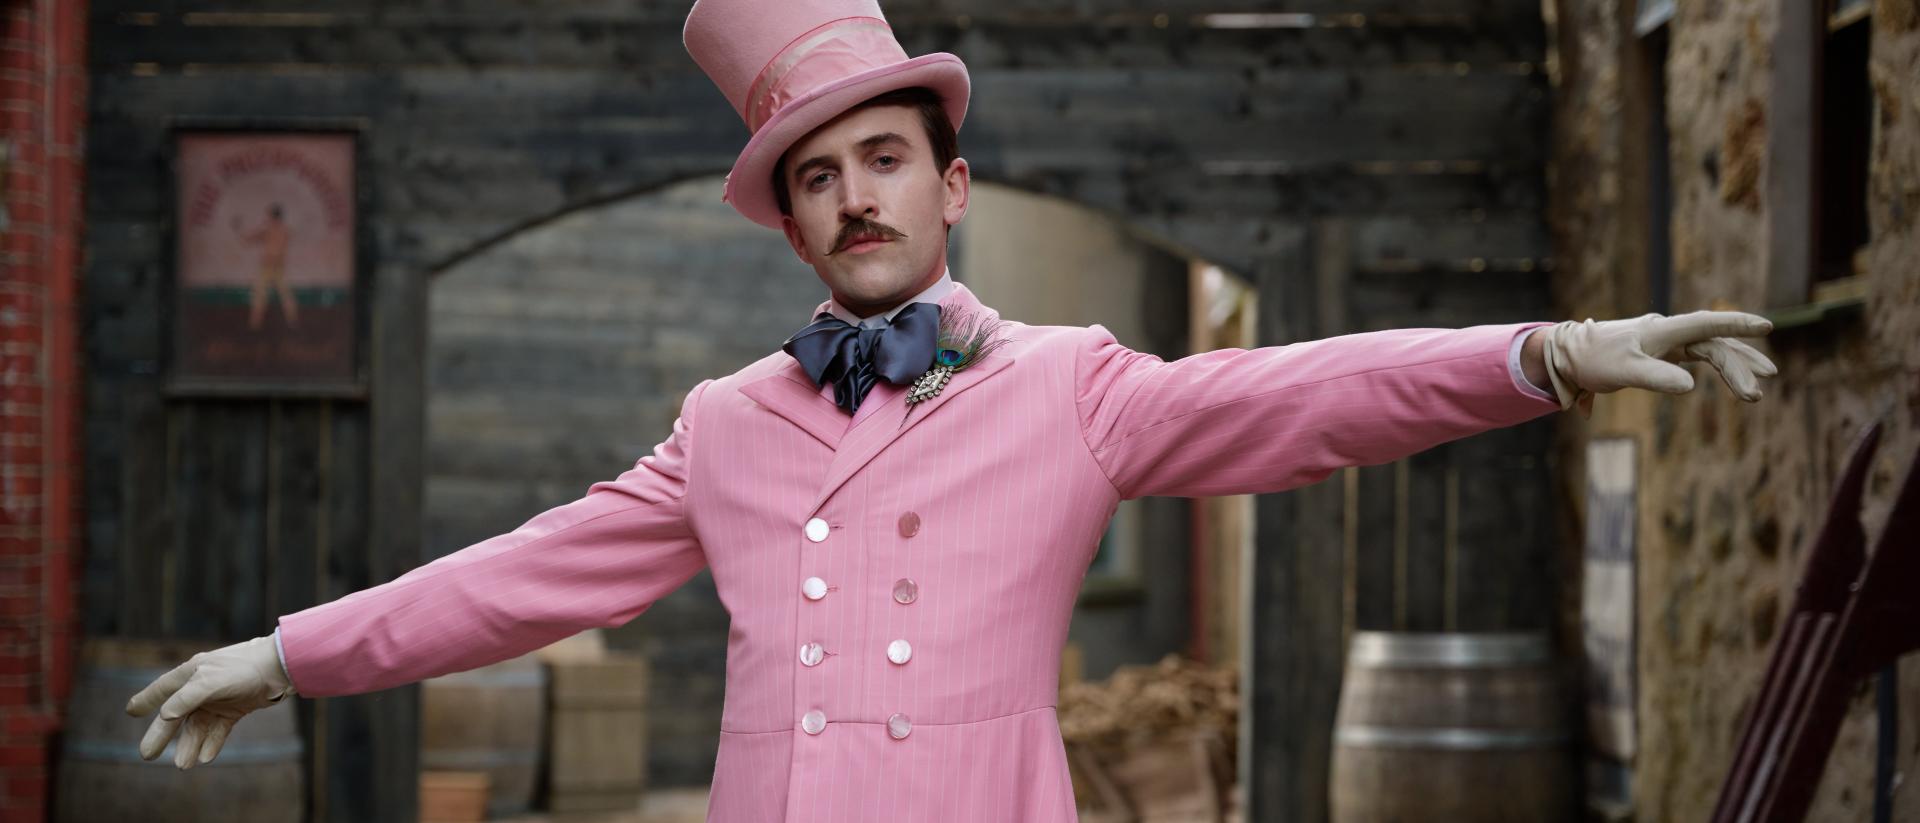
(491, 719)
(1467, 728)
(258, 776)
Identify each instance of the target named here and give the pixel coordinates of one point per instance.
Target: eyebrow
(867, 144)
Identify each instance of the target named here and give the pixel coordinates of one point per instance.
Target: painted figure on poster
(272, 237)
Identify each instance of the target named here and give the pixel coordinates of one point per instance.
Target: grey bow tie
(854, 358)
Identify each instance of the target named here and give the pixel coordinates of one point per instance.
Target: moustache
(860, 228)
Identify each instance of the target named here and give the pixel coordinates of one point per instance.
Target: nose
(857, 198)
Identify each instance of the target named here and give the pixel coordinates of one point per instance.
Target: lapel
(790, 395)
(894, 418)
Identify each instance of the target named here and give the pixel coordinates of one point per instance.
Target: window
(1820, 135)
(1659, 183)
(1845, 141)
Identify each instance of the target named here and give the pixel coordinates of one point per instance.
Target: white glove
(208, 693)
(1596, 357)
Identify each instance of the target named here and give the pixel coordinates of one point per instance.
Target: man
(899, 507)
(273, 238)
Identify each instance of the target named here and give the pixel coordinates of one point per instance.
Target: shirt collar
(931, 294)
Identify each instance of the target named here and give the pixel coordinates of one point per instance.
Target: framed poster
(267, 285)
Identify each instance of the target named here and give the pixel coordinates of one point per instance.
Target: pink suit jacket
(991, 498)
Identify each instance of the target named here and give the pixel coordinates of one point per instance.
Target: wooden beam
(392, 11)
(1296, 606)
(646, 45)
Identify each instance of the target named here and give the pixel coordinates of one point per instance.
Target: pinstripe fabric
(1013, 472)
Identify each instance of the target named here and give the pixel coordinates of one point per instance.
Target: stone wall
(1730, 493)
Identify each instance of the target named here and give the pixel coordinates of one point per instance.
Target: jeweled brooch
(963, 339)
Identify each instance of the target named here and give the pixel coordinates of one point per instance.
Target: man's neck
(869, 311)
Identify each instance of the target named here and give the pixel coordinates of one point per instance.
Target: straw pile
(1142, 705)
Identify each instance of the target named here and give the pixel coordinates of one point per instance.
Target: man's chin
(868, 288)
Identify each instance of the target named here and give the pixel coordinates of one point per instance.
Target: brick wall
(42, 107)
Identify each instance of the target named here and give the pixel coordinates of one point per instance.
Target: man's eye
(818, 178)
(890, 161)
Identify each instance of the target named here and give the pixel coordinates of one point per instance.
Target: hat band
(830, 52)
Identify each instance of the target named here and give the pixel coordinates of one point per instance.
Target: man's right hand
(208, 694)
(1600, 356)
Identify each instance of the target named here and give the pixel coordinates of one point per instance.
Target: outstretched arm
(1239, 421)
(1263, 420)
(595, 562)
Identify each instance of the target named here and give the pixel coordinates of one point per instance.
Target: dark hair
(933, 117)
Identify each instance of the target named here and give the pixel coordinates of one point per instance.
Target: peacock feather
(963, 339)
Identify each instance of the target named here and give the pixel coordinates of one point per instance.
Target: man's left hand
(1584, 358)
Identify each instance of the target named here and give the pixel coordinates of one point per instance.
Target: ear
(959, 186)
(791, 228)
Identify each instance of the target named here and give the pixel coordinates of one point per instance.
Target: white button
(811, 654)
(814, 722)
(816, 530)
(899, 726)
(905, 591)
(899, 651)
(814, 588)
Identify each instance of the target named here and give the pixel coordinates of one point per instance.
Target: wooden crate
(598, 741)
(490, 719)
(453, 797)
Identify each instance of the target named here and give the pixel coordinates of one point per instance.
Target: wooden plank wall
(1367, 163)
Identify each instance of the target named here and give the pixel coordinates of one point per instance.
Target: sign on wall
(1607, 602)
(265, 286)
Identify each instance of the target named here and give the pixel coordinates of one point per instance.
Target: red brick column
(42, 109)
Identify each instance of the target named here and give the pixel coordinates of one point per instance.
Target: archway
(560, 353)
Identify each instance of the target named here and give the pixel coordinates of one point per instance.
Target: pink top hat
(788, 66)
